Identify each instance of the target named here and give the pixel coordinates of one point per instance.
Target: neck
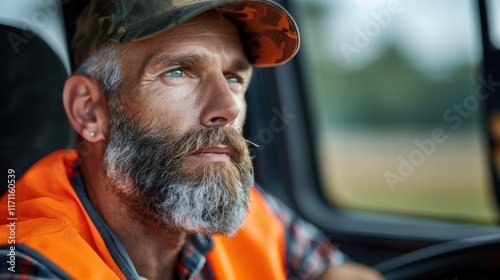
(153, 250)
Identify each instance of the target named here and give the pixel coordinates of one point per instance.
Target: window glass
(493, 8)
(396, 97)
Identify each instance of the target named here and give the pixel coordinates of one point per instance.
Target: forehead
(209, 35)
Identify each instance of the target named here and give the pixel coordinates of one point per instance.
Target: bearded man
(162, 184)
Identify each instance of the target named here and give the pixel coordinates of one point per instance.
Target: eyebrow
(240, 65)
(187, 61)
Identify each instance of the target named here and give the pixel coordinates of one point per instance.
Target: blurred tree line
(387, 92)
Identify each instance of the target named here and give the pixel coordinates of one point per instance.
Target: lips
(219, 153)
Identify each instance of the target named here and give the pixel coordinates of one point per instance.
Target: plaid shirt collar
(191, 261)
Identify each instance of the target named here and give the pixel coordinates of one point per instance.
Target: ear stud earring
(91, 134)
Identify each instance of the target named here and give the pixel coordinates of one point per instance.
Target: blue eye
(233, 80)
(175, 73)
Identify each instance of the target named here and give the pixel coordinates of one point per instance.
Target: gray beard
(147, 168)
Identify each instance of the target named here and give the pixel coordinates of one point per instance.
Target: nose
(221, 106)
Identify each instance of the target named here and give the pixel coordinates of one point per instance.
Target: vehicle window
(493, 8)
(396, 95)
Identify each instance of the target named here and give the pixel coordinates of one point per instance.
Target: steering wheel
(447, 259)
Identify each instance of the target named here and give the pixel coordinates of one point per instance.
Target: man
(162, 184)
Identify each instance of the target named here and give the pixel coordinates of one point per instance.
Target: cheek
(240, 121)
(163, 108)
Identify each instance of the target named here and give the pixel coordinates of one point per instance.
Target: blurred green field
(452, 183)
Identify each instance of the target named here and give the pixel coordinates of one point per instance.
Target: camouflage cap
(269, 34)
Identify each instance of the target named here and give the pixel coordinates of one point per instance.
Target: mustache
(163, 148)
(183, 145)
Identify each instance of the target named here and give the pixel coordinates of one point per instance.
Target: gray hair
(105, 66)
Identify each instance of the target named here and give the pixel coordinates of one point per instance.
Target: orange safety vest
(51, 220)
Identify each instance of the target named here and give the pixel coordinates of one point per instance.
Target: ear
(86, 107)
